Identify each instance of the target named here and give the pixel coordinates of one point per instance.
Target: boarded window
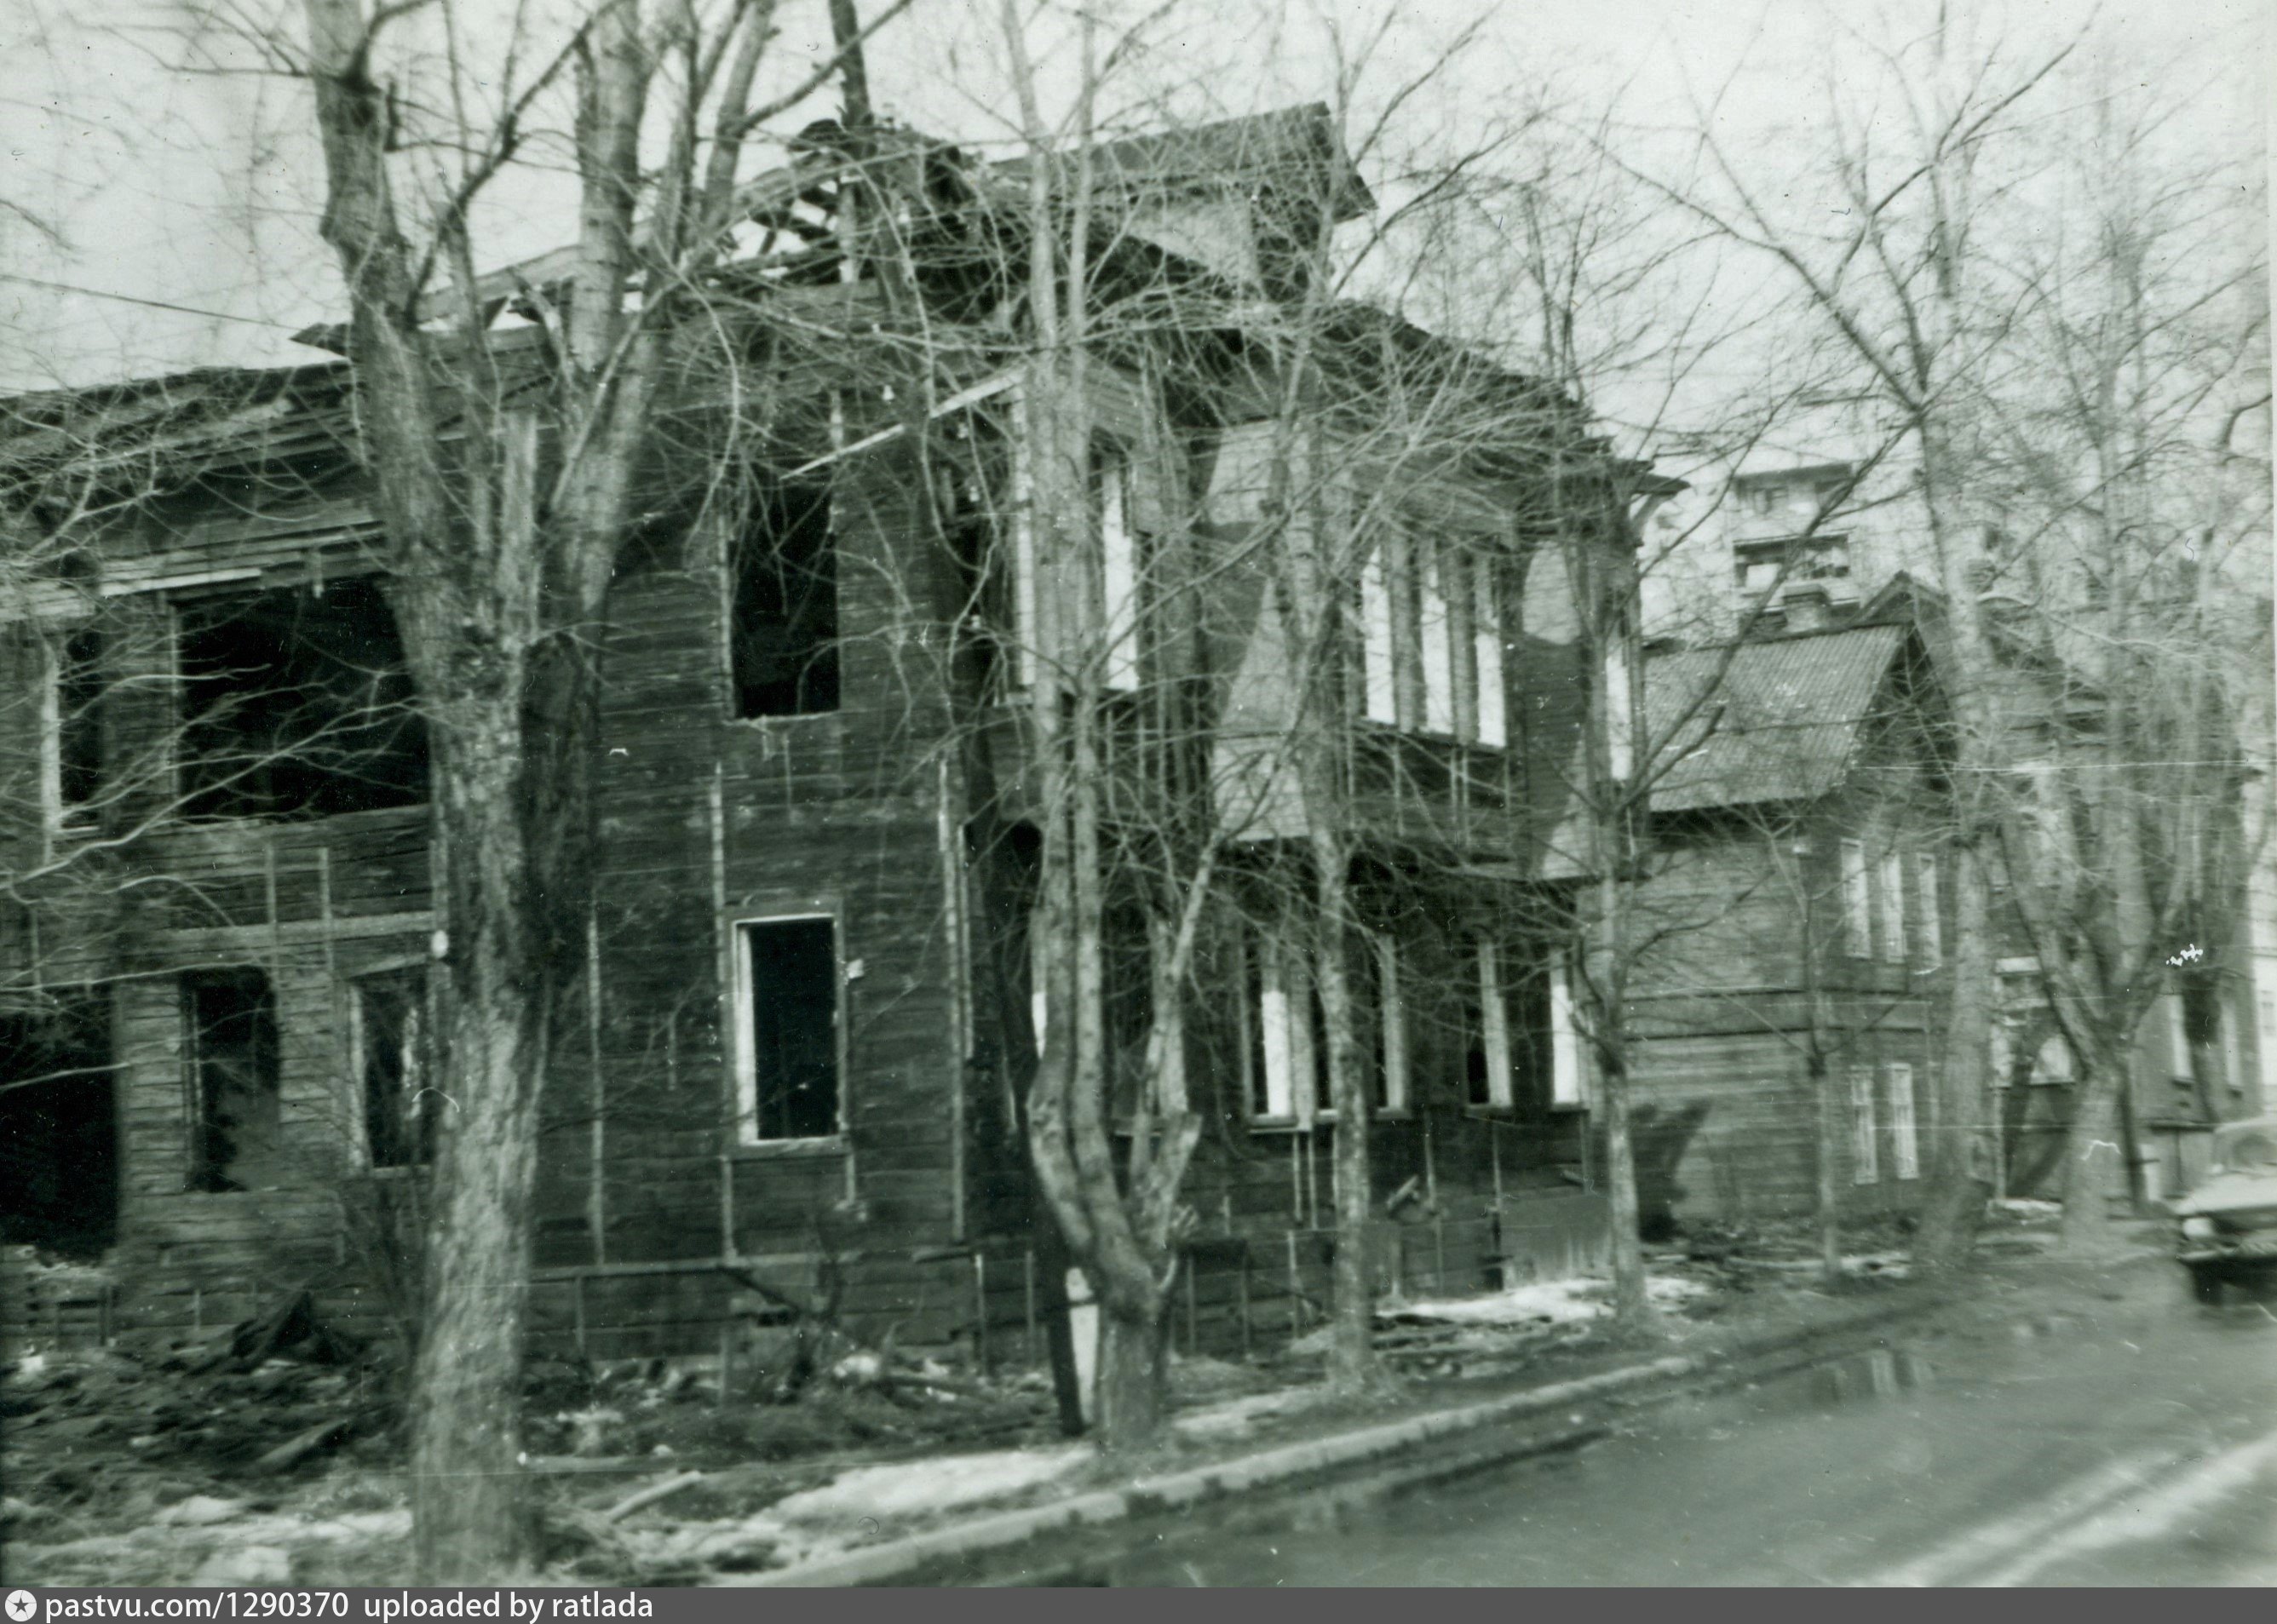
(230, 1042)
(297, 704)
(401, 1107)
(786, 1028)
(71, 733)
(1865, 1158)
(59, 1127)
(783, 617)
(1894, 909)
(1857, 902)
(1905, 1140)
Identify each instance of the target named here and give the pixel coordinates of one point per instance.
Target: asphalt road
(2127, 1442)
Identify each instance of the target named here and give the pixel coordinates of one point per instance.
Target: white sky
(201, 189)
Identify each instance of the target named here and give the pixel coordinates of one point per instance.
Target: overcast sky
(130, 179)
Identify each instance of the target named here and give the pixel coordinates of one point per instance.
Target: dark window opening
(230, 1045)
(78, 722)
(790, 1029)
(1478, 1089)
(401, 1106)
(59, 1127)
(784, 616)
(971, 469)
(1129, 995)
(1253, 1035)
(1531, 1036)
(297, 705)
(1372, 1019)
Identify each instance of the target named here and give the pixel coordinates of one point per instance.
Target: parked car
(2229, 1221)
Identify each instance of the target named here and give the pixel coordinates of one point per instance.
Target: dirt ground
(281, 1461)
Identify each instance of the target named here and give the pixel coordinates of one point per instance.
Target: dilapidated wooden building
(807, 1011)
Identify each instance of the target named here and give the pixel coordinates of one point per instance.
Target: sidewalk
(723, 1507)
(1335, 1448)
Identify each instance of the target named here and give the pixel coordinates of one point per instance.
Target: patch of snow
(246, 1565)
(1552, 1302)
(2022, 1206)
(1233, 1416)
(907, 1487)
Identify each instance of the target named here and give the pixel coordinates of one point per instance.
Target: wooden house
(1790, 1005)
(807, 1017)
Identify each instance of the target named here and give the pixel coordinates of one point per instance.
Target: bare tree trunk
(2092, 1150)
(1964, 1142)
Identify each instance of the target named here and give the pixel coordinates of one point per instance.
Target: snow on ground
(1553, 1302)
(942, 1484)
(2024, 1207)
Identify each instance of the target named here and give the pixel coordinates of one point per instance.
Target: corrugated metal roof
(1781, 725)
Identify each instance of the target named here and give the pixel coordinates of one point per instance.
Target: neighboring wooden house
(806, 1022)
(1790, 1003)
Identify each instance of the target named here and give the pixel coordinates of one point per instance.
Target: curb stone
(884, 1563)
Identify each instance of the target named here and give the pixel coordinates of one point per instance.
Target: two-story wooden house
(806, 1019)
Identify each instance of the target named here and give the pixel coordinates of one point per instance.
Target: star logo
(23, 1606)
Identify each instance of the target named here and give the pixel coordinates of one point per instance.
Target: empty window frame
(389, 1030)
(1857, 902)
(787, 1057)
(973, 479)
(783, 646)
(230, 1045)
(71, 729)
(1905, 1138)
(1865, 1158)
(1893, 908)
(58, 1123)
(296, 704)
(1932, 911)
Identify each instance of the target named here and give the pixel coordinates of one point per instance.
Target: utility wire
(155, 303)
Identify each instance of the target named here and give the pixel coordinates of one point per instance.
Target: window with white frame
(388, 1016)
(1865, 1160)
(1932, 911)
(1120, 565)
(1486, 1029)
(1287, 1040)
(1620, 715)
(1857, 902)
(1568, 1079)
(1893, 908)
(1905, 1140)
(786, 1029)
(70, 728)
(2184, 1063)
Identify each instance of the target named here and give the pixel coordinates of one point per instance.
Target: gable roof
(1784, 723)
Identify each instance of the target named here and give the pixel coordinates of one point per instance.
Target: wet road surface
(2133, 1443)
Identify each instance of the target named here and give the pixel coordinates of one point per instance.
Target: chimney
(1806, 606)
